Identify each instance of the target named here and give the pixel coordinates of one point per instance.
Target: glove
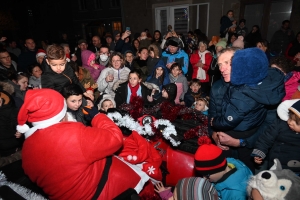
(89, 112)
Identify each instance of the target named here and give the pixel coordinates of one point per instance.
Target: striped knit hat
(209, 159)
(196, 188)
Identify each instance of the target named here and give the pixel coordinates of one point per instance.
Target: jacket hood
(85, 55)
(271, 89)
(160, 63)
(249, 66)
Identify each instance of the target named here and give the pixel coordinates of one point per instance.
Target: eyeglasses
(114, 61)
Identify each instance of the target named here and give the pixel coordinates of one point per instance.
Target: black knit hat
(171, 89)
(295, 108)
(174, 41)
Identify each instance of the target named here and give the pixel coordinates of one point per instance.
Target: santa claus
(69, 160)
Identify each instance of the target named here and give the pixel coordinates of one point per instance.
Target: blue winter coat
(234, 186)
(245, 107)
(180, 57)
(282, 143)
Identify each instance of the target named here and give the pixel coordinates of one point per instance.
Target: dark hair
(141, 49)
(162, 77)
(195, 80)
(133, 43)
(229, 11)
(116, 54)
(104, 46)
(138, 72)
(72, 89)
(31, 67)
(55, 52)
(3, 50)
(258, 29)
(264, 42)
(175, 64)
(230, 36)
(153, 39)
(18, 76)
(283, 63)
(285, 21)
(242, 20)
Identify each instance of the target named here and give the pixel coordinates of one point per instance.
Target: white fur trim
(129, 157)
(205, 108)
(48, 122)
(23, 128)
(134, 158)
(283, 109)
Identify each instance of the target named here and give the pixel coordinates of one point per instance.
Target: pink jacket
(291, 85)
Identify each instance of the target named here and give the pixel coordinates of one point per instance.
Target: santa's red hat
(42, 108)
(40, 52)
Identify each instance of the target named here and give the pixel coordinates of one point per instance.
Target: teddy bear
(275, 184)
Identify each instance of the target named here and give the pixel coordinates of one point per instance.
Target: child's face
(159, 71)
(195, 87)
(106, 105)
(23, 83)
(129, 57)
(57, 66)
(200, 105)
(36, 72)
(261, 46)
(164, 94)
(293, 125)
(176, 71)
(134, 79)
(74, 102)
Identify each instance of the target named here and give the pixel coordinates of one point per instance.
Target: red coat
(67, 159)
(195, 59)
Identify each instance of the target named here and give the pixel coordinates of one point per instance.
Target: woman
(264, 46)
(115, 72)
(57, 72)
(141, 62)
(231, 38)
(293, 48)
(135, 46)
(200, 61)
(253, 36)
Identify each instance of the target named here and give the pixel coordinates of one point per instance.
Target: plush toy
(276, 183)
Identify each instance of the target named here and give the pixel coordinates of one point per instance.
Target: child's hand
(159, 187)
(87, 85)
(18, 134)
(150, 98)
(182, 103)
(258, 160)
(94, 86)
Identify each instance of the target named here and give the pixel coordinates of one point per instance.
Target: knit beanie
(195, 188)
(174, 41)
(295, 108)
(221, 44)
(249, 66)
(209, 159)
(171, 89)
(239, 42)
(105, 97)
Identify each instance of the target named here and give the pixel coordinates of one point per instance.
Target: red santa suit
(66, 159)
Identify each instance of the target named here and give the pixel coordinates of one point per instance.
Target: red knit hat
(209, 159)
(43, 108)
(40, 52)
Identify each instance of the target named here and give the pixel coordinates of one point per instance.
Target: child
(228, 175)
(188, 188)
(201, 104)
(129, 62)
(88, 62)
(105, 103)
(73, 95)
(36, 73)
(179, 79)
(153, 57)
(40, 55)
(281, 139)
(131, 88)
(193, 92)
(20, 81)
(291, 77)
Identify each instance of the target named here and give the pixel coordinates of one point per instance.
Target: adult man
(7, 66)
(28, 57)
(282, 38)
(123, 44)
(175, 53)
(109, 42)
(104, 54)
(69, 160)
(96, 45)
(82, 45)
(12, 48)
(241, 103)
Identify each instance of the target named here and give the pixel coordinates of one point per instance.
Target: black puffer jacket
(8, 122)
(53, 80)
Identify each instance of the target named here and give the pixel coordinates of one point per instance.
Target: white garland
(128, 122)
(169, 129)
(22, 191)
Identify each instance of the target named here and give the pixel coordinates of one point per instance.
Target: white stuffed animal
(276, 183)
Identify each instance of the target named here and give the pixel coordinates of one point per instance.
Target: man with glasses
(7, 66)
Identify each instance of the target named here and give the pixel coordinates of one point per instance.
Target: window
(82, 4)
(115, 3)
(117, 26)
(98, 4)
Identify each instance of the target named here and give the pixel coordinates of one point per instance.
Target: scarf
(133, 91)
(202, 55)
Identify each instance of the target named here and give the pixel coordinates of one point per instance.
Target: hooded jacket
(152, 78)
(180, 57)
(85, 57)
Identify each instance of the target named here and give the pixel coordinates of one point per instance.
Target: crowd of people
(246, 89)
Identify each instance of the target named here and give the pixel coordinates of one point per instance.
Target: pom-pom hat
(42, 108)
(209, 159)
